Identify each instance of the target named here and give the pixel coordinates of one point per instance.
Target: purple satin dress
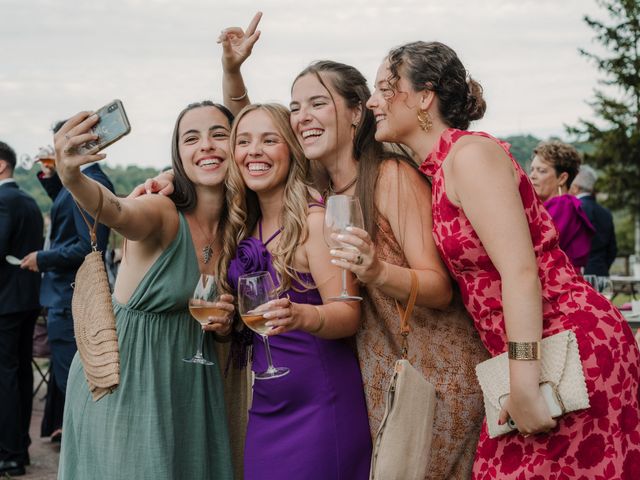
(311, 423)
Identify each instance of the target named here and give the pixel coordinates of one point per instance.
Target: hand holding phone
(111, 127)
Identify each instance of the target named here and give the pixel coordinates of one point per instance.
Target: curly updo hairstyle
(434, 66)
(561, 156)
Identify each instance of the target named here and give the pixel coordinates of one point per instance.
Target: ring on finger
(359, 260)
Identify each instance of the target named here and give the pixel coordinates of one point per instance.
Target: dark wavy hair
(435, 67)
(184, 195)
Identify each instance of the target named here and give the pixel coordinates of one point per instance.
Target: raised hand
(75, 132)
(238, 44)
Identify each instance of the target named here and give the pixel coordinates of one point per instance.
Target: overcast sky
(61, 56)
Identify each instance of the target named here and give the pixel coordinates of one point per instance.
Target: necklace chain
(207, 251)
(343, 189)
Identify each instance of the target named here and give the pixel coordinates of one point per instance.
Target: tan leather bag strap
(92, 228)
(405, 313)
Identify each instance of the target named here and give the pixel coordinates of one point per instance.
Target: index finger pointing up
(251, 29)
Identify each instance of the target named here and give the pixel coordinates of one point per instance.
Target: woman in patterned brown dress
(336, 132)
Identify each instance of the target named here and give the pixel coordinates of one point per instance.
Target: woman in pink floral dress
(501, 246)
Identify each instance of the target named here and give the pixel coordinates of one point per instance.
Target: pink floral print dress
(601, 442)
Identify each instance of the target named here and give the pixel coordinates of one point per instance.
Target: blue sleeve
(52, 185)
(70, 255)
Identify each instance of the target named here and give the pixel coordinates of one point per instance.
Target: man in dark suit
(20, 233)
(69, 244)
(603, 244)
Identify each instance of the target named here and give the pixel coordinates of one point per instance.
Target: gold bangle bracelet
(321, 320)
(524, 350)
(241, 97)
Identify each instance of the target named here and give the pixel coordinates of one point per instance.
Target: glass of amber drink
(202, 306)
(255, 292)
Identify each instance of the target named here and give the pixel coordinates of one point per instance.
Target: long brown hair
(351, 85)
(244, 209)
(184, 195)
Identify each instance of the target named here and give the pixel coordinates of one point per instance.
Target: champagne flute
(255, 291)
(342, 211)
(202, 305)
(605, 287)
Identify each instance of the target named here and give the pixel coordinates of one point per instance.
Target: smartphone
(111, 127)
(551, 399)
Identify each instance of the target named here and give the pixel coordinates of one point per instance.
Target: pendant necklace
(343, 189)
(207, 250)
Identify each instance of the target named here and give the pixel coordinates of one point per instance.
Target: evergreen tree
(615, 135)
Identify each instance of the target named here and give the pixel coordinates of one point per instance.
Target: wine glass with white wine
(255, 292)
(202, 306)
(342, 211)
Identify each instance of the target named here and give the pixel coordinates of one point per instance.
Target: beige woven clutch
(560, 366)
(94, 322)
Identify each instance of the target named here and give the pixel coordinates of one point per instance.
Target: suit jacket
(603, 244)
(69, 241)
(20, 234)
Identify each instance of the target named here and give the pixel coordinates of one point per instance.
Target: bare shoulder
(475, 148)
(315, 219)
(473, 152)
(393, 171)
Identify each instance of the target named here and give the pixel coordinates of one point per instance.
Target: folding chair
(41, 357)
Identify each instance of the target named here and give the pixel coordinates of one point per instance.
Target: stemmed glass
(602, 285)
(342, 211)
(202, 306)
(255, 291)
(605, 287)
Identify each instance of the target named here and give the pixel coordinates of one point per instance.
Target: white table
(632, 318)
(620, 282)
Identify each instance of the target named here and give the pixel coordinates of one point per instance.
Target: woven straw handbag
(401, 449)
(560, 366)
(93, 320)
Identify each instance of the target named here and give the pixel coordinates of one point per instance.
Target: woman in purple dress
(311, 423)
(553, 168)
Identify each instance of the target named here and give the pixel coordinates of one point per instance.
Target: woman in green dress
(166, 420)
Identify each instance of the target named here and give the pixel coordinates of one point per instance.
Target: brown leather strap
(92, 228)
(405, 313)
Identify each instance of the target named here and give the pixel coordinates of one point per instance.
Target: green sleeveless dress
(166, 420)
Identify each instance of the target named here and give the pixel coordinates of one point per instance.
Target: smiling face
(203, 145)
(261, 152)
(395, 109)
(322, 125)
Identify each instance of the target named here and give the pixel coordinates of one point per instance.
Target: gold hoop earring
(560, 190)
(424, 120)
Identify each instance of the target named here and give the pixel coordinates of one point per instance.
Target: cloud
(158, 55)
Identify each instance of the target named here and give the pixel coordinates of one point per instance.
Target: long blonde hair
(244, 209)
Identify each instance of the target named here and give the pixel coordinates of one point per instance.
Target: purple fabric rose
(251, 256)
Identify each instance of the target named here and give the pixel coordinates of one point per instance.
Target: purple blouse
(574, 228)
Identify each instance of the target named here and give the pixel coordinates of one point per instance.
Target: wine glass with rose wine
(255, 292)
(202, 306)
